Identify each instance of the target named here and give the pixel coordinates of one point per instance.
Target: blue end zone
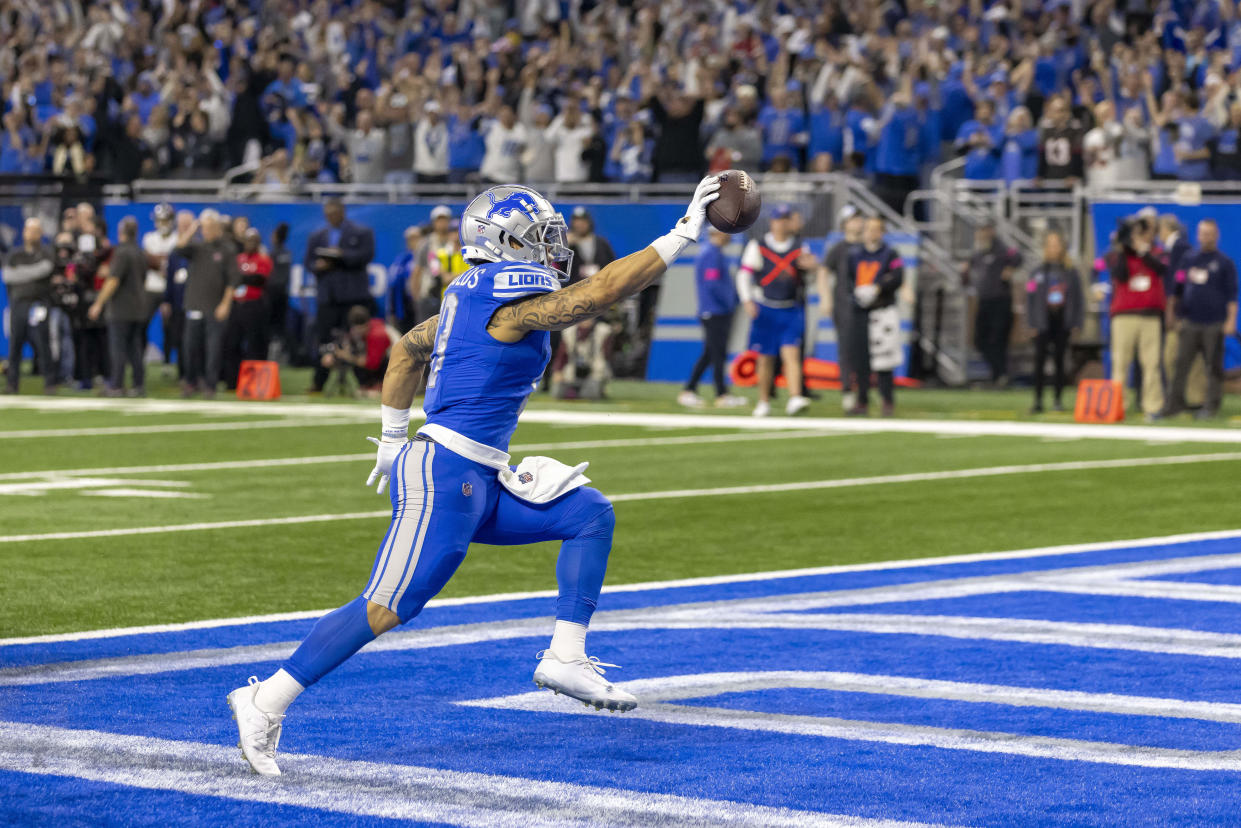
(402, 705)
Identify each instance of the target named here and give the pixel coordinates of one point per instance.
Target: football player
(484, 353)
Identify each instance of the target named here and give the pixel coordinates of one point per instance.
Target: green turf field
(123, 466)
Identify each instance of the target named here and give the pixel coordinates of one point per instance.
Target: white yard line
(238, 425)
(649, 586)
(373, 789)
(556, 416)
(839, 483)
(220, 465)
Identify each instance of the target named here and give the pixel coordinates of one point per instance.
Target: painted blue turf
(400, 707)
(230, 636)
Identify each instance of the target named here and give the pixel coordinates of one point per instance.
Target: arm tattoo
(420, 342)
(553, 311)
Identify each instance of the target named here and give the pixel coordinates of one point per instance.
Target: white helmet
(515, 224)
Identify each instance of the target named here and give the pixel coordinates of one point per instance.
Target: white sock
(277, 693)
(569, 641)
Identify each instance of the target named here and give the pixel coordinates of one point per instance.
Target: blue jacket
(900, 144)
(717, 294)
(398, 277)
(1206, 283)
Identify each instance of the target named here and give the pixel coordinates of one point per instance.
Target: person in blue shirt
(860, 130)
(1192, 148)
(827, 134)
(717, 302)
(784, 129)
(1206, 310)
(482, 354)
(979, 140)
(286, 84)
(898, 155)
(465, 144)
(399, 304)
(1019, 152)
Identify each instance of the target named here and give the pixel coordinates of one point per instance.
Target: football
(738, 205)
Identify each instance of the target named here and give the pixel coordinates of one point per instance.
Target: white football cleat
(797, 405)
(730, 401)
(689, 399)
(582, 679)
(259, 732)
(762, 409)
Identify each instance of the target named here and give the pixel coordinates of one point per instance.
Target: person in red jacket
(1138, 303)
(246, 334)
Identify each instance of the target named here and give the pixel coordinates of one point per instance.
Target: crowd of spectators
(362, 91)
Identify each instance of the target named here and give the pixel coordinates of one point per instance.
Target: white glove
(388, 450)
(690, 227)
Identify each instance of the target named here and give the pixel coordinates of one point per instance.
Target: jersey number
(1058, 152)
(448, 313)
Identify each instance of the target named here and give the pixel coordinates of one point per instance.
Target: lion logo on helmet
(514, 201)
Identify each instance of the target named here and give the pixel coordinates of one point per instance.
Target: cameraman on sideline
(1137, 308)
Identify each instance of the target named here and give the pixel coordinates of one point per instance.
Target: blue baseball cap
(781, 211)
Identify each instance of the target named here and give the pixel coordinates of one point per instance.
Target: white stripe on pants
(415, 486)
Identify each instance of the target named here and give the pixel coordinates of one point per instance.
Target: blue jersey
(476, 384)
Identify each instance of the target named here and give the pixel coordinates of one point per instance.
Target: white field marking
(652, 708)
(223, 465)
(650, 586)
(677, 688)
(787, 612)
(555, 416)
(42, 486)
(920, 477)
(152, 494)
(237, 425)
(839, 483)
(373, 789)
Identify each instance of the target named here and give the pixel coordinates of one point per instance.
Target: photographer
(28, 280)
(358, 356)
(66, 296)
(1138, 303)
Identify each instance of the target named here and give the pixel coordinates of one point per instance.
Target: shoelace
(590, 662)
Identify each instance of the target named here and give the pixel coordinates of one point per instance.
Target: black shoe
(1037, 408)
(1205, 414)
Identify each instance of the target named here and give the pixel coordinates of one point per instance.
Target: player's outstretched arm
(616, 281)
(400, 384)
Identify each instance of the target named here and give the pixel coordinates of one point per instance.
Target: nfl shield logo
(467, 489)
(525, 477)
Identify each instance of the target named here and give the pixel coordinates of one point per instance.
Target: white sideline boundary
(556, 416)
(225, 465)
(649, 586)
(836, 483)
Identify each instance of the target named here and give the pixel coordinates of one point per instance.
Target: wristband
(395, 423)
(669, 246)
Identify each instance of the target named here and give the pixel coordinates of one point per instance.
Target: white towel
(542, 479)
